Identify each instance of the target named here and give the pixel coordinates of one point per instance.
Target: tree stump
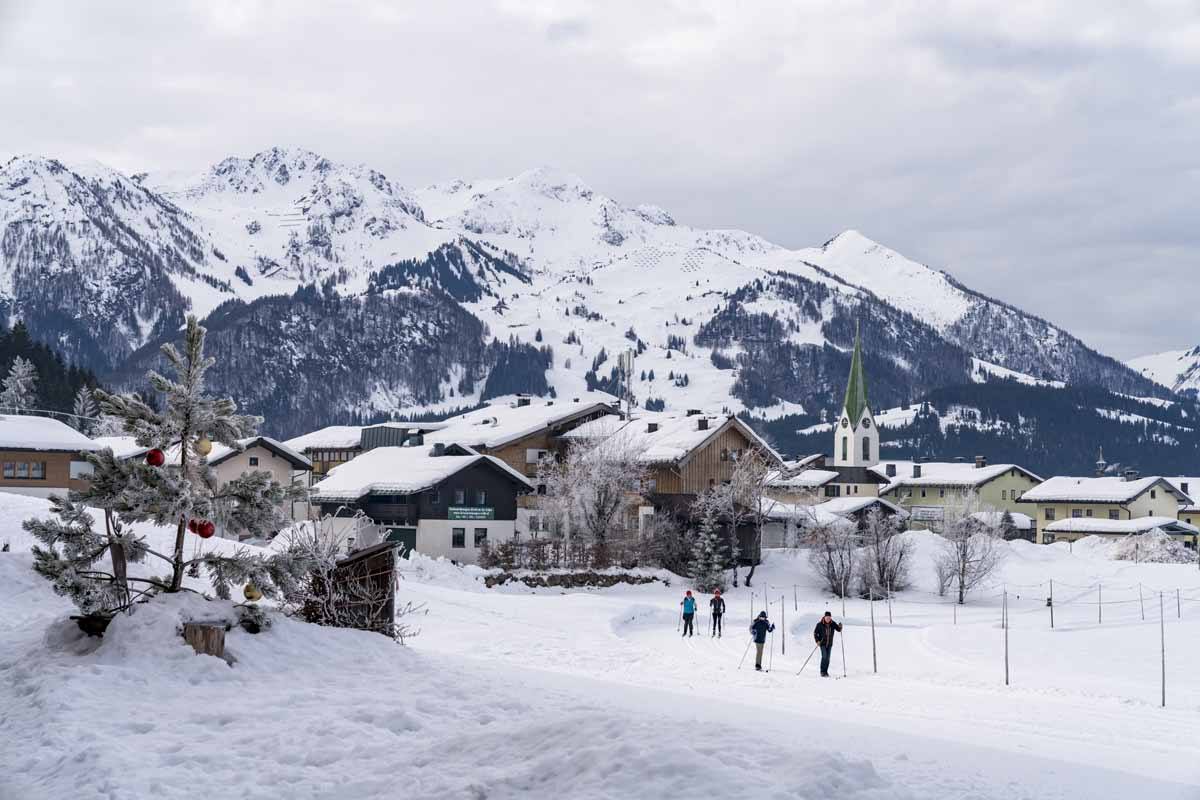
(205, 639)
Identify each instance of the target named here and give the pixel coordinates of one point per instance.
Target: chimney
(692, 412)
(702, 424)
(980, 462)
(439, 449)
(651, 427)
(574, 399)
(890, 470)
(523, 400)
(1131, 475)
(916, 470)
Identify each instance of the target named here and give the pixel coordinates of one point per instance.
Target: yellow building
(1108, 499)
(929, 491)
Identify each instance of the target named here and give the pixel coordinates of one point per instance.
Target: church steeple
(856, 386)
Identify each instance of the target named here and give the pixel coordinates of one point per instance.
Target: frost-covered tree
(884, 561)
(1008, 527)
(20, 386)
(747, 490)
(970, 551)
(174, 493)
(708, 560)
(833, 553)
(84, 411)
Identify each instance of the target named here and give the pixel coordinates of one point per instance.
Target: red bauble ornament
(206, 529)
(194, 525)
(156, 457)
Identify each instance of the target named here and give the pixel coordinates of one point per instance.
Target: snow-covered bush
(884, 561)
(971, 550)
(833, 553)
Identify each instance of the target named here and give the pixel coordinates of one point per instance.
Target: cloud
(1043, 154)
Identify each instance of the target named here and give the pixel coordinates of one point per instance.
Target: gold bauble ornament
(204, 445)
(251, 593)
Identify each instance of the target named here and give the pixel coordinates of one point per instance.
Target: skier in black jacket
(717, 606)
(759, 629)
(823, 634)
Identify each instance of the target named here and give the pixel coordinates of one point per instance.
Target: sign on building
(928, 513)
(471, 512)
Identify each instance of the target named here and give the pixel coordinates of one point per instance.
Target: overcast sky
(1046, 157)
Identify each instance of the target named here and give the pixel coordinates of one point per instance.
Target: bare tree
(884, 562)
(971, 548)
(833, 553)
(747, 491)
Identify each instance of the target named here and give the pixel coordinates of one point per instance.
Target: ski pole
(679, 621)
(810, 655)
(843, 640)
(744, 652)
(771, 658)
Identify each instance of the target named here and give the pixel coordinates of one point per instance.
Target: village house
(336, 444)
(40, 456)
(437, 500)
(1189, 512)
(1069, 508)
(786, 523)
(931, 490)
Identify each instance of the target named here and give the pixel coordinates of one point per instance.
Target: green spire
(856, 386)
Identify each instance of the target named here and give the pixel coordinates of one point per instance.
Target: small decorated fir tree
(184, 493)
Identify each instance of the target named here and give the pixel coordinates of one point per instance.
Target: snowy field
(592, 694)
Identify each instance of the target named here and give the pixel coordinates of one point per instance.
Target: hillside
(334, 292)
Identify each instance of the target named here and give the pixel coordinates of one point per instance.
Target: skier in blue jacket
(759, 630)
(689, 614)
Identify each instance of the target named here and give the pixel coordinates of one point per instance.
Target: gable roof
(1187, 485)
(43, 434)
(122, 446)
(805, 479)
(344, 437)
(668, 438)
(402, 470)
(222, 453)
(945, 473)
(500, 424)
(856, 385)
(853, 504)
(1099, 525)
(1097, 490)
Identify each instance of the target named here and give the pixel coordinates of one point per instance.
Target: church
(855, 438)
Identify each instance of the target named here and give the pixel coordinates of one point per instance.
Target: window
(866, 448)
(1004, 494)
(541, 488)
(81, 471)
(1049, 513)
(435, 497)
(1047, 538)
(652, 485)
(845, 448)
(460, 497)
(458, 538)
(480, 536)
(254, 461)
(1089, 512)
(10, 469)
(1076, 513)
(724, 454)
(1115, 514)
(534, 522)
(480, 497)
(1183, 487)
(922, 493)
(941, 492)
(37, 470)
(1153, 494)
(833, 490)
(22, 469)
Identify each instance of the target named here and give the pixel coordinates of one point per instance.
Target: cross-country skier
(759, 630)
(823, 634)
(689, 613)
(717, 606)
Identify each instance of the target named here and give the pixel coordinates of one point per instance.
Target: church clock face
(866, 423)
(845, 422)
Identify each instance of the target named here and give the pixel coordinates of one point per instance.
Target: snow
(845, 506)
(805, 479)
(122, 446)
(1175, 369)
(674, 436)
(500, 423)
(1092, 490)
(1022, 522)
(982, 370)
(22, 432)
(342, 437)
(1101, 526)
(1186, 485)
(398, 470)
(943, 473)
(590, 694)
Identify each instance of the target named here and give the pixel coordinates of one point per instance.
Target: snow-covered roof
(341, 437)
(122, 446)
(1099, 525)
(802, 515)
(664, 437)
(23, 432)
(845, 506)
(1187, 485)
(1022, 522)
(220, 452)
(943, 473)
(399, 470)
(805, 479)
(1095, 490)
(496, 425)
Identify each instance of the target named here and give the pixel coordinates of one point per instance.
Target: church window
(845, 448)
(866, 448)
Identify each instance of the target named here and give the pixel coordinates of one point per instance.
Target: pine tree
(708, 562)
(84, 411)
(1008, 527)
(20, 386)
(184, 489)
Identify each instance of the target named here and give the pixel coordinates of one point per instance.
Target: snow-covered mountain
(1178, 370)
(332, 290)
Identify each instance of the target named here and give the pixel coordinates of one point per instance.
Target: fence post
(874, 659)
(1006, 638)
(889, 602)
(955, 607)
(782, 625)
(1051, 604)
(795, 599)
(1162, 640)
(1178, 608)
(1100, 604)
(1142, 601)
